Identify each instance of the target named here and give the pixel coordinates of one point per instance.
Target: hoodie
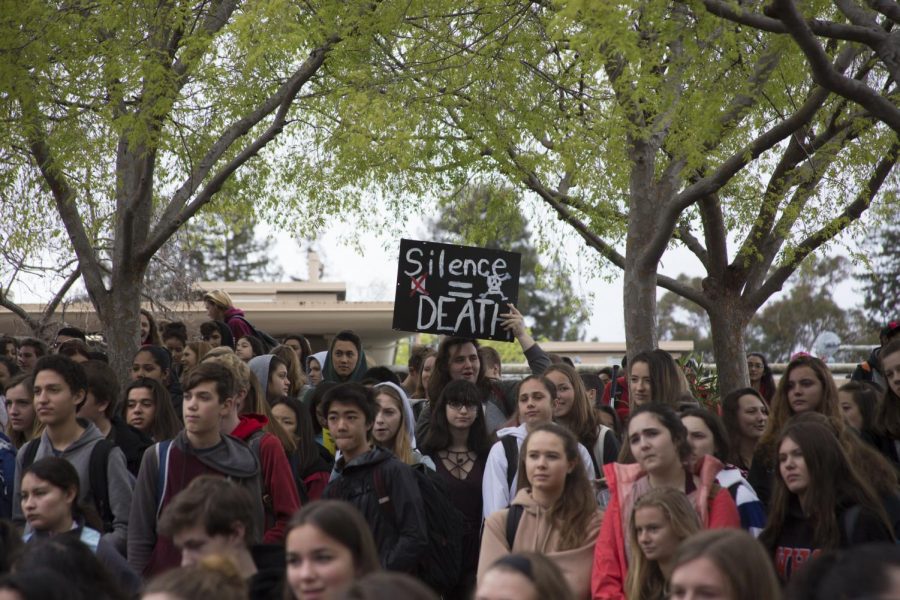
(238, 324)
(401, 534)
(119, 480)
(149, 554)
(280, 498)
(627, 483)
(495, 492)
(329, 374)
(536, 533)
(320, 358)
(409, 422)
(260, 367)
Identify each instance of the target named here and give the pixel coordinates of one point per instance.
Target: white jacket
(496, 494)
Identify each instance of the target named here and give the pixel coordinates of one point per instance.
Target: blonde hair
(402, 445)
(645, 578)
(220, 298)
(213, 577)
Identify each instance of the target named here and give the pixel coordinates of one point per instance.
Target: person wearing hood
(272, 374)
(553, 513)
(216, 333)
(346, 360)
(279, 489)
(60, 387)
(536, 399)
(220, 307)
(214, 516)
(200, 449)
(395, 426)
(314, 364)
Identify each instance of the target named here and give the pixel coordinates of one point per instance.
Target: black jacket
(400, 529)
(270, 565)
(131, 441)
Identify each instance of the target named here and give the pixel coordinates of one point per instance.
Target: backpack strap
(381, 493)
(99, 482)
(597, 452)
(511, 448)
(513, 516)
(29, 453)
(162, 456)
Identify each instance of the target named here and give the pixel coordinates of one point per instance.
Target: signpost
(455, 290)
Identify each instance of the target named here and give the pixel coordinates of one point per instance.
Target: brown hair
(295, 373)
(215, 503)
(573, 512)
(542, 572)
(582, 420)
(20, 438)
(888, 416)
(740, 558)
(213, 577)
(833, 482)
(165, 424)
(645, 579)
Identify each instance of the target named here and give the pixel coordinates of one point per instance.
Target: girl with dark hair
(457, 358)
(858, 401)
(744, 414)
(249, 347)
(761, 378)
(329, 545)
(806, 386)
(311, 462)
(661, 519)
(655, 377)
(458, 443)
(299, 344)
(888, 415)
(658, 440)
(49, 498)
(272, 374)
(22, 426)
(155, 362)
(707, 436)
(725, 564)
(819, 500)
(524, 576)
(149, 332)
(146, 407)
(573, 410)
(394, 428)
(554, 511)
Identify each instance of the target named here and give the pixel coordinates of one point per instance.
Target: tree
(485, 215)
(633, 122)
(681, 319)
(225, 252)
(881, 281)
(123, 120)
(871, 24)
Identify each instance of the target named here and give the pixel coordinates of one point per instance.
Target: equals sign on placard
(459, 285)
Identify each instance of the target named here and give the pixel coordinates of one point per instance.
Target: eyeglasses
(457, 405)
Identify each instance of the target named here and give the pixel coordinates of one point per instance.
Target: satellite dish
(826, 345)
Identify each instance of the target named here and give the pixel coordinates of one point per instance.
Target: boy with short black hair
(364, 468)
(200, 449)
(30, 350)
(215, 516)
(99, 407)
(60, 388)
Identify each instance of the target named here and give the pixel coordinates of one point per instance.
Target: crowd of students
(247, 468)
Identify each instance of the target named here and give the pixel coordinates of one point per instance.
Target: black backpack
(97, 465)
(441, 566)
(511, 449)
(268, 341)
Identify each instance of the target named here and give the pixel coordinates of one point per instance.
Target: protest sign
(455, 290)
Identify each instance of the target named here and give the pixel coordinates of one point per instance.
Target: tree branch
(831, 229)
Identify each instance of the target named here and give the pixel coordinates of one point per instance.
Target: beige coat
(536, 534)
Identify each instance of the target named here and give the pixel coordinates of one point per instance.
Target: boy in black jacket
(369, 477)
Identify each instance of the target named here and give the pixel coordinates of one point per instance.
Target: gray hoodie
(259, 365)
(120, 481)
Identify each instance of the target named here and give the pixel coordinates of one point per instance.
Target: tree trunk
(728, 321)
(639, 301)
(121, 322)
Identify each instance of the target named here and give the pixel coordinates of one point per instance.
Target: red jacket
(621, 405)
(280, 497)
(237, 323)
(610, 556)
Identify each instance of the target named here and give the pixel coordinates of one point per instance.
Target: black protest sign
(455, 290)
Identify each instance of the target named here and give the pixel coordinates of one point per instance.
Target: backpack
(513, 516)
(97, 465)
(511, 449)
(268, 341)
(441, 566)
